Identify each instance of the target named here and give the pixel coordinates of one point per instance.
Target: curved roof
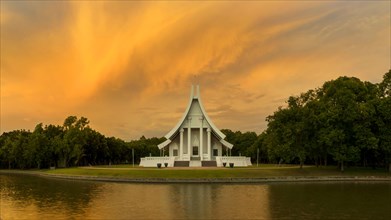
(170, 135)
(214, 128)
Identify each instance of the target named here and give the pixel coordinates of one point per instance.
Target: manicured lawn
(118, 166)
(126, 171)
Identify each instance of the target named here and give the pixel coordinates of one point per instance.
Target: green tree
(384, 118)
(70, 122)
(342, 98)
(73, 142)
(38, 151)
(259, 145)
(278, 135)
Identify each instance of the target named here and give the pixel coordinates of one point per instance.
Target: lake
(32, 197)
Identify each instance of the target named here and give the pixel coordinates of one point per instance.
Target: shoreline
(271, 179)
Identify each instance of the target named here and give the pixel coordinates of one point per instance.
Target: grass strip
(213, 173)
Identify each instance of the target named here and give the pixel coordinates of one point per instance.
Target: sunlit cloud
(128, 66)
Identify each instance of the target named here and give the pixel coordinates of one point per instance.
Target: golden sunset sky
(127, 66)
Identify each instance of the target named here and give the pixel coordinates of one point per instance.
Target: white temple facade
(195, 141)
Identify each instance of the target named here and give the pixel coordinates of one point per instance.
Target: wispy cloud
(127, 65)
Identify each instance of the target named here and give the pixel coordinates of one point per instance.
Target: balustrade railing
(153, 161)
(238, 161)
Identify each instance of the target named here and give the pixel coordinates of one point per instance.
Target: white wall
(237, 161)
(153, 161)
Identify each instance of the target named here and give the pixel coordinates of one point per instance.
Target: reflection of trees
(330, 200)
(62, 196)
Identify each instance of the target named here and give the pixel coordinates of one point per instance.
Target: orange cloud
(127, 66)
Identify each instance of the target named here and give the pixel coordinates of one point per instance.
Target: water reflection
(217, 201)
(180, 201)
(34, 196)
(30, 197)
(136, 201)
(349, 200)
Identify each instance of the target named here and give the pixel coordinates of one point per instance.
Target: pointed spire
(195, 91)
(195, 81)
(192, 91)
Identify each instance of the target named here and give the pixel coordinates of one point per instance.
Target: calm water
(30, 197)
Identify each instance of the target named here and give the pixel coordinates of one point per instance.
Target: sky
(128, 66)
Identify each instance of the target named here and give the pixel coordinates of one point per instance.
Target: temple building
(195, 141)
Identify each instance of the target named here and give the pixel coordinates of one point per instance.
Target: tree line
(74, 143)
(346, 121)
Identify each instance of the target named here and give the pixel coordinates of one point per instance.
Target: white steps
(195, 163)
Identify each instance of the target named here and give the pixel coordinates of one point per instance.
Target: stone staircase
(209, 163)
(181, 163)
(195, 163)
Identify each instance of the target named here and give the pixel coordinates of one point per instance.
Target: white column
(201, 139)
(189, 137)
(181, 144)
(208, 133)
